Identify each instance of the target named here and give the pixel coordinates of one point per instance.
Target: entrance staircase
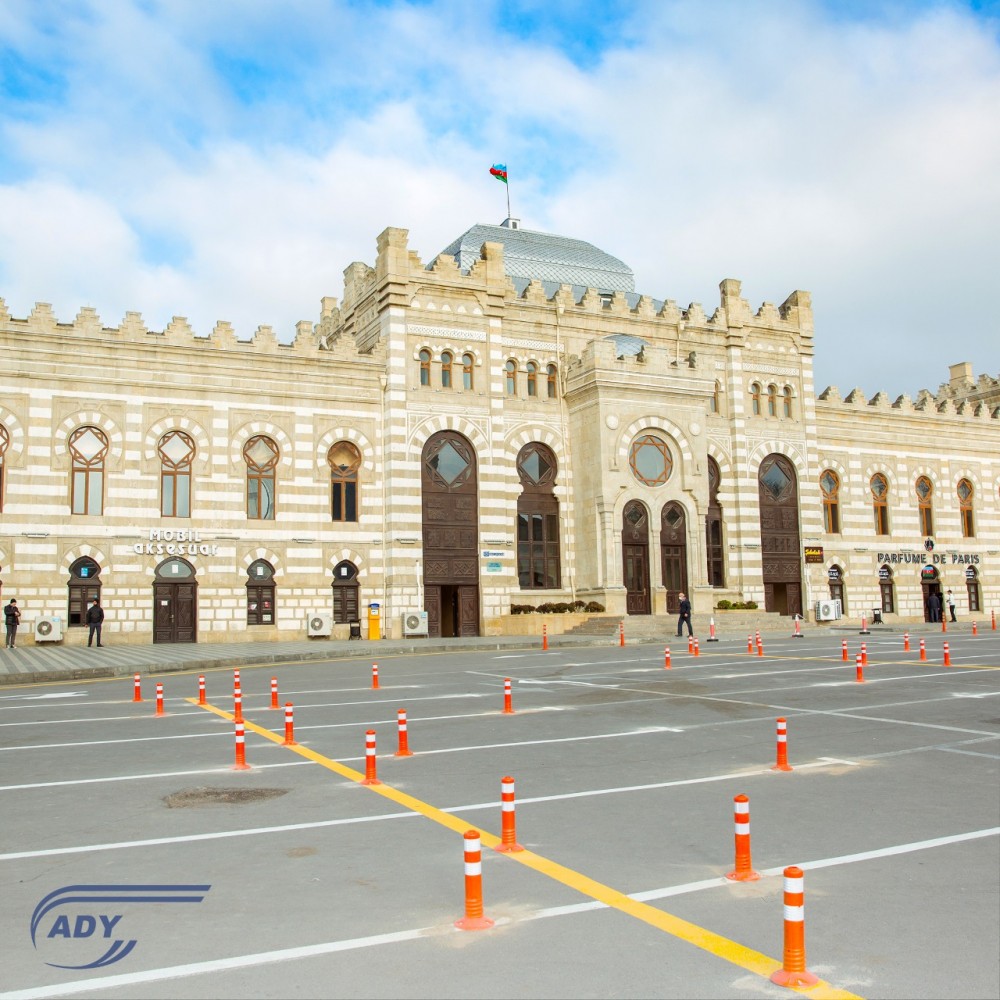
(663, 628)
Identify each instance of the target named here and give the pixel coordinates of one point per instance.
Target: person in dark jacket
(934, 607)
(95, 619)
(685, 615)
(11, 618)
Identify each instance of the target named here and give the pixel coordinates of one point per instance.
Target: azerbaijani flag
(499, 171)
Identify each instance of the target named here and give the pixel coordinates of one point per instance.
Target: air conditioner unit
(415, 623)
(48, 629)
(826, 611)
(839, 609)
(319, 623)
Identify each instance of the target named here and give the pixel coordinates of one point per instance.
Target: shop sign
(937, 558)
(884, 573)
(970, 574)
(834, 573)
(813, 553)
(174, 542)
(494, 566)
(495, 554)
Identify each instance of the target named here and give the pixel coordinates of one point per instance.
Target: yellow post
(374, 621)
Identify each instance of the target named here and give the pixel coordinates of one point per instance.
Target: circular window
(650, 460)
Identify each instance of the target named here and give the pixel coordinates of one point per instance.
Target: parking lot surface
(137, 861)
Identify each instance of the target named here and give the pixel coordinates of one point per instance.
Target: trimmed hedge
(557, 608)
(737, 605)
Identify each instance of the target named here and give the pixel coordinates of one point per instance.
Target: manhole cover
(215, 796)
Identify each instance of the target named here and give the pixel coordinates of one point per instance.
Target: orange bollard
(508, 822)
(743, 872)
(859, 669)
(864, 626)
(159, 700)
(944, 624)
(793, 972)
(201, 689)
(711, 630)
(843, 650)
(750, 644)
(370, 775)
(289, 726)
(864, 654)
(760, 646)
(975, 629)
(375, 677)
(238, 705)
(473, 919)
(691, 644)
(797, 634)
(236, 679)
(545, 636)
(404, 737)
(757, 634)
(923, 649)
(906, 642)
(136, 687)
(274, 692)
(666, 658)
(993, 620)
(241, 749)
(621, 632)
(697, 648)
(947, 655)
(507, 709)
(781, 760)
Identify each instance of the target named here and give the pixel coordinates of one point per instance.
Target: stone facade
(413, 351)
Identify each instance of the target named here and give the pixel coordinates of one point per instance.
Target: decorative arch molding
(765, 448)
(648, 423)
(841, 564)
(15, 432)
(885, 469)
(347, 555)
(266, 429)
(71, 555)
(190, 427)
(924, 470)
(973, 478)
(87, 418)
(424, 431)
(249, 558)
(457, 349)
(359, 440)
(728, 492)
(517, 439)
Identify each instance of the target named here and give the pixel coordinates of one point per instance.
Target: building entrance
(635, 558)
(781, 559)
(175, 602)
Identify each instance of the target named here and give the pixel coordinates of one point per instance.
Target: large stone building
(511, 424)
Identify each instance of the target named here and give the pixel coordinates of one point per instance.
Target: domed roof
(558, 259)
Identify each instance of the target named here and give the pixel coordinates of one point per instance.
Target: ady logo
(101, 924)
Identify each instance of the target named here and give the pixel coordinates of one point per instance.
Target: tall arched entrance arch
(450, 508)
(175, 602)
(781, 552)
(673, 554)
(635, 558)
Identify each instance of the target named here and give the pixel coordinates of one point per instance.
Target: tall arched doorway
(449, 486)
(346, 603)
(673, 554)
(175, 602)
(930, 583)
(635, 558)
(779, 536)
(83, 586)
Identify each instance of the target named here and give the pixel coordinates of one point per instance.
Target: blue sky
(228, 160)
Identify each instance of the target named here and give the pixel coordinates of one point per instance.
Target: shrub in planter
(560, 608)
(579, 605)
(594, 607)
(724, 605)
(751, 605)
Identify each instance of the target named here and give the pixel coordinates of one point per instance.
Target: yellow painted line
(714, 944)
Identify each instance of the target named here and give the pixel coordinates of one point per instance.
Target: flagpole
(507, 186)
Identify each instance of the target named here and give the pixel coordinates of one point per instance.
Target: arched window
(261, 455)
(446, 358)
(551, 372)
(260, 593)
(89, 447)
(786, 399)
(829, 485)
(176, 451)
(772, 400)
(532, 370)
(511, 369)
(4, 442)
(713, 528)
(925, 493)
(468, 362)
(755, 399)
(650, 460)
(537, 519)
(835, 579)
(965, 493)
(887, 589)
(346, 606)
(880, 503)
(83, 586)
(972, 587)
(344, 460)
(425, 367)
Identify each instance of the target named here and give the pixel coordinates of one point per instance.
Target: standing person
(685, 615)
(95, 619)
(934, 607)
(12, 618)
(951, 606)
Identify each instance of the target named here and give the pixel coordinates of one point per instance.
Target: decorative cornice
(452, 333)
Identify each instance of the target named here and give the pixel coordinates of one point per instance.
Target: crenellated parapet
(946, 404)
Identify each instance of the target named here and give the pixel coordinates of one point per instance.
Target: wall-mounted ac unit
(415, 623)
(839, 609)
(48, 629)
(826, 611)
(319, 623)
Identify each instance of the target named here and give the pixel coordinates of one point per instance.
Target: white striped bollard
(201, 689)
(238, 704)
(371, 777)
(274, 692)
(508, 821)
(136, 687)
(793, 972)
(404, 736)
(743, 872)
(507, 700)
(159, 700)
(289, 726)
(241, 749)
(781, 763)
(473, 919)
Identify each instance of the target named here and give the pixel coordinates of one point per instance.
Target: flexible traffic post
(760, 645)
(906, 642)
(375, 677)
(238, 705)
(864, 654)
(621, 632)
(781, 759)
(545, 636)
(797, 634)
(289, 725)
(793, 970)
(947, 655)
(236, 679)
(274, 692)
(201, 689)
(743, 872)
(473, 919)
(241, 749)
(159, 700)
(371, 778)
(864, 626)
(666, 658)
(757, 636)
(136, 687)
(712, 637)
(508, 821)
(750, 644)
(975, 629)
(944, 623)
(404, 736)
(843, 650)
(697, 649)
(923, 649)
(993, 620)
(507, 706)
(859, 668)
(691, 644)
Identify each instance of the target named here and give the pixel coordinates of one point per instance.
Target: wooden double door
(175, 611)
